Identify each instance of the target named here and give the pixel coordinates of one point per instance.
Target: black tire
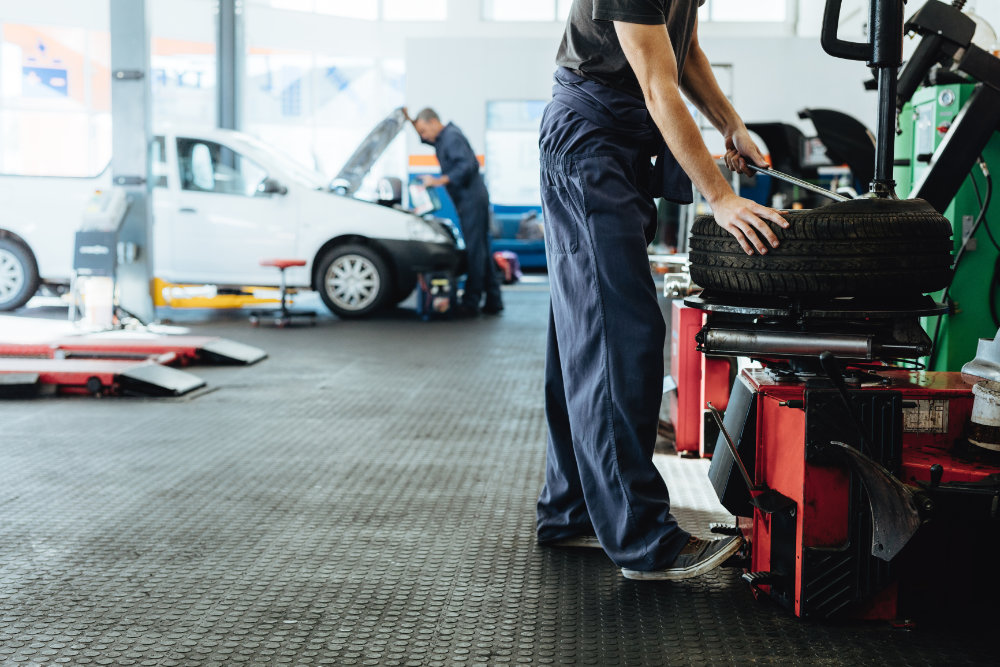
(18, 274)
(861, 247)
(354, 281)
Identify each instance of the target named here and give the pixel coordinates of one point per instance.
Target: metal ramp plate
(137, 347)
(224, 351)
(155, 380)
(19, 385)
(102, 376)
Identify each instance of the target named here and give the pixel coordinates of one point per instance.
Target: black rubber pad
(365, 496)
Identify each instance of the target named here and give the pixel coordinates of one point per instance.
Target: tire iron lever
(767, 500)
(806, 185)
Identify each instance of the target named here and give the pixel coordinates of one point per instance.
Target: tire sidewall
(373, 260)
(29, 272)
(856, 248)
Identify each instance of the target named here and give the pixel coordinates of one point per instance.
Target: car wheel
(354, 281)
(18, 275)
(862, 247)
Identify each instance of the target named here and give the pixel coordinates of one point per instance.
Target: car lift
(854, 481)
(116, 363)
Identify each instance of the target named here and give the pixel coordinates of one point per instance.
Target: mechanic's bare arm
(699, 85)
(651, 56)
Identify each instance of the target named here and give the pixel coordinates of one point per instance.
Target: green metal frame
(931, 110)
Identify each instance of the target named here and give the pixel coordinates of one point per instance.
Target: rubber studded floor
(363, 497)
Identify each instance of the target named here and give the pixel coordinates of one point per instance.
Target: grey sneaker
(697, 557)
(577, 541)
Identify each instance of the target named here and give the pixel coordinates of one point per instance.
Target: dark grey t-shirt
(590, 45)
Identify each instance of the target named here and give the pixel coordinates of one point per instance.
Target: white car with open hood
(222, 202)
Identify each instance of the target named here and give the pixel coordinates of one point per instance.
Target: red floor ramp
(22, 377)
(189, 349)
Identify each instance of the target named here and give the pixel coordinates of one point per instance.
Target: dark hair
(427, 114)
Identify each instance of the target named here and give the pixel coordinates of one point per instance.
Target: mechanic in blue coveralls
(622, 67)
(460, 176)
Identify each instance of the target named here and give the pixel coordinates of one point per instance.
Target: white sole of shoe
(678, 574)
(578, 542)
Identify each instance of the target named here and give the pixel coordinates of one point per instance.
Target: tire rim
(11, 276)
(353, 282)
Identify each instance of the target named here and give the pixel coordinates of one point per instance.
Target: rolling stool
(281, 317)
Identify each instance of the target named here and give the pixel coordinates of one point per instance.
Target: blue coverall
(604, 364)
(472, 202)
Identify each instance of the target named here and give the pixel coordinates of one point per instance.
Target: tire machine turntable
(852, 479)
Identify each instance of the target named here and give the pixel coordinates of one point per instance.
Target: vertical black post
(885, 134)
(886, 28)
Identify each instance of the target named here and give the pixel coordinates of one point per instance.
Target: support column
(229, 64)
(131, 137)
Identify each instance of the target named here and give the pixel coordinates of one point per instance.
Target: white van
(222, 202)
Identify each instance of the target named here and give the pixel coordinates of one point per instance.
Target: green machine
(924, 123)
(948, 110)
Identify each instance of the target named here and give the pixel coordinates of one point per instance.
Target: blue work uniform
(604, 364)
(472, 203)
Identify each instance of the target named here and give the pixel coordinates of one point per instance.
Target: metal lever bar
(732, 448)
(799, 182)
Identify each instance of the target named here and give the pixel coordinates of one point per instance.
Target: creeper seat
(281, 316)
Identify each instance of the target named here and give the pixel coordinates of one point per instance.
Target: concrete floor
(365, 496)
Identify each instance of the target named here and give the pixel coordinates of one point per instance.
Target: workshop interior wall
(772, 78)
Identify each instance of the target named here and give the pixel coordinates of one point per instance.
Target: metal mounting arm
(884, 52)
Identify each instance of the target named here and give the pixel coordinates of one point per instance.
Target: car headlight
(450, 229)
(423, 230)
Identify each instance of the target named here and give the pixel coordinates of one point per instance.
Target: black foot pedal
(724, 529)
(737, 561)
(760, 578)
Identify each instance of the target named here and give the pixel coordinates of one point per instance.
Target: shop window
(55, 100)
(512, 151)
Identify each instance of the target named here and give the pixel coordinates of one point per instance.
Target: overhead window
(414, 10)
(519, 10)
(741, 10)
(351, 9)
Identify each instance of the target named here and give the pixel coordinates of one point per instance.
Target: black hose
(961, 253)
(979, 199)
(995, 279)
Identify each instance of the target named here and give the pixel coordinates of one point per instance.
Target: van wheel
(18, 275)
(354, 281)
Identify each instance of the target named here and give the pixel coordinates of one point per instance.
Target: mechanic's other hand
(739, 149)
(747, 221)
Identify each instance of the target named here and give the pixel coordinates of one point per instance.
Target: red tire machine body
(851, 484)
(853, 480)
(698, 380)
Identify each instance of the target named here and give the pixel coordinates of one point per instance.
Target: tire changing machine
(853, 477)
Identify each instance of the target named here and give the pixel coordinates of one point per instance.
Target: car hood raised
(349, 179)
